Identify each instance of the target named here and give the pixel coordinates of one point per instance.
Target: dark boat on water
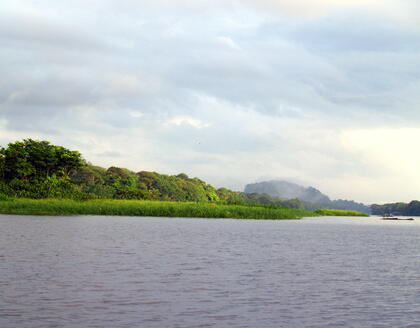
(394, 218)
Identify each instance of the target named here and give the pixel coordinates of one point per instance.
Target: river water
(92, 271)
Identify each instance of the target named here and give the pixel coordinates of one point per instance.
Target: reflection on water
(150, 272)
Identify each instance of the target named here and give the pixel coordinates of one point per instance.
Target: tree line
(39, 169)
(404, 209)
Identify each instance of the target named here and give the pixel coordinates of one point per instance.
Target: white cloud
(228, 42)
(136, 114)
(313, 8)
(231, 96)
(402, 11)
(188, 121)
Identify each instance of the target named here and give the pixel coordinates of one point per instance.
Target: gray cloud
(357, 32)
(218, 96)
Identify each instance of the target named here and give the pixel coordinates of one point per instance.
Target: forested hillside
(311, 198)
(38, 169)
(288, 190)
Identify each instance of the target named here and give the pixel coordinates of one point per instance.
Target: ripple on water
(142, 272)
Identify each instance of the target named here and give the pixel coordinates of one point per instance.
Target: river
(90, 271)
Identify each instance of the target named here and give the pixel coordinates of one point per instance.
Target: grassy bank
(329, 212)
(147, 208)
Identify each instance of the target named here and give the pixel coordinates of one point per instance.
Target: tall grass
(331, 212)
(147, 208)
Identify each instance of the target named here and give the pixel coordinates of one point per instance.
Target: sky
(320, 92)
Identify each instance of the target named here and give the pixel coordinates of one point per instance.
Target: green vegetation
(309, 198)
(403, 209)
(119, 183)
(37, 169)
(37, 177)
(29, 159)
(147, 208)
(330, 212)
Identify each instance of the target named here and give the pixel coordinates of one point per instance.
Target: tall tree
(2, 158)
(31, 159)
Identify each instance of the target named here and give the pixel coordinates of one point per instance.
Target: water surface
(157, 272)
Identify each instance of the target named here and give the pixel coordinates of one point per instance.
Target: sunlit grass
(330, 212)
(148, 208)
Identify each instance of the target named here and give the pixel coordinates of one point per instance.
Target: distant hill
(288, 190)
(311, 195)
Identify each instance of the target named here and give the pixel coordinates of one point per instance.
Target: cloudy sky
(322, 92)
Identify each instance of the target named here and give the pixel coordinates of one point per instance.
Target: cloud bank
(229, 91)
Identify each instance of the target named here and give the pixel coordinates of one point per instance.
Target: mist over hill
(289, 190)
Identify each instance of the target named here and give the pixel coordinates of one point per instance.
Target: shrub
(4, 197)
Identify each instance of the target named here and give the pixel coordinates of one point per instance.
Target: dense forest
(39, 169)
(404, 209)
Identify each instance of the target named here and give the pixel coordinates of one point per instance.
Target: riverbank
(147, 208)
(158, 209)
